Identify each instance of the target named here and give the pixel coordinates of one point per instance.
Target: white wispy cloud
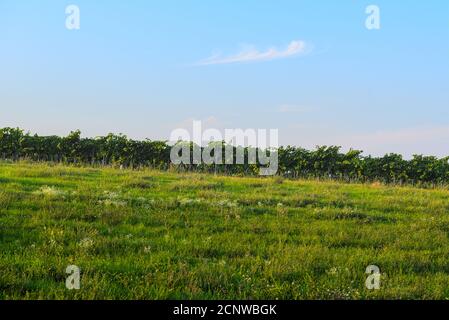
(289, 108)
(413, 135)
(425, 139)
(252, 54)
(430, 139)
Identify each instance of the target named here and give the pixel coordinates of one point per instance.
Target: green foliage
(323, 163)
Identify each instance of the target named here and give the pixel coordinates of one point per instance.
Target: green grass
(159, 235)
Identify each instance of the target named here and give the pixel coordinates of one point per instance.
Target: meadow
(147, 234)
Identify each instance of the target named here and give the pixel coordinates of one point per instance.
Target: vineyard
(294, 162)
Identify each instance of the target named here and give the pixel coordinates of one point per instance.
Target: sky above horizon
(308, 68)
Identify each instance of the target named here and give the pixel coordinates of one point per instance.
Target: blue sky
(138, 67)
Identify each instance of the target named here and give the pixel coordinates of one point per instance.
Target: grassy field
(159, 235)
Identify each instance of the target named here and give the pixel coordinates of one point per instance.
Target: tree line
(323, 163)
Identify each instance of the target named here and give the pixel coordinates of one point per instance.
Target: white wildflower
(86, 243)
(50, 191)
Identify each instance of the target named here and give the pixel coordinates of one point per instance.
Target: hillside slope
(158, 235)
